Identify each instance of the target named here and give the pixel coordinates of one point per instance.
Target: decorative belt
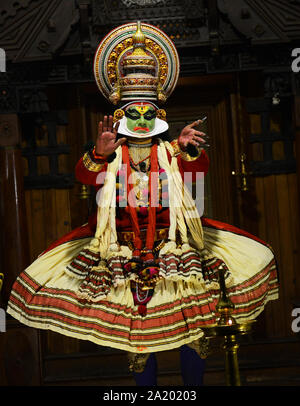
(125, 236)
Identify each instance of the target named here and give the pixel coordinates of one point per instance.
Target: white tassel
(95, 243)
(114, 247)
(122, 251)
(186, 247)
(168, 248)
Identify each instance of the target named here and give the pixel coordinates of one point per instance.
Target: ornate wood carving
(36, 30)
(211, 37)
(266, 21)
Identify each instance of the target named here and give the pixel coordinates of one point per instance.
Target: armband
(190, 154)
(92, 165)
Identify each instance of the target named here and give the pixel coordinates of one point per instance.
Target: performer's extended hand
(191, 136)
(106, 142)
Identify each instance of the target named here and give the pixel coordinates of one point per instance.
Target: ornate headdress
(136, 62)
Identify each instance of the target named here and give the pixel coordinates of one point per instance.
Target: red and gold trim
(184, 155)
(168, 324)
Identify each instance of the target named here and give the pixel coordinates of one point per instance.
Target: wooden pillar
(19, 345)
(14, 236)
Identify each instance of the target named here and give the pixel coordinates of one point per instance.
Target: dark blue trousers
(192, 369)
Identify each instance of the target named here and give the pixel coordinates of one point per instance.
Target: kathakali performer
(142, 275)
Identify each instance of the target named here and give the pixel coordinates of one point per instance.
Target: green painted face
(140, 118)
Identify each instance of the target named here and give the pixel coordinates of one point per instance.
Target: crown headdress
(136, 61)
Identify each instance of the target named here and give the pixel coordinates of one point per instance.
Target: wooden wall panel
(268, 210)
(224, 196)
(278, 225)
(51, 213)
(48, 218)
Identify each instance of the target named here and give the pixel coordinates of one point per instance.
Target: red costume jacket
(196, 167)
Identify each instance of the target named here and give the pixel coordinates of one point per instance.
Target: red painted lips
(141, 128)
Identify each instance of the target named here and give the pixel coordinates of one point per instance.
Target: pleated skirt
(45, 296)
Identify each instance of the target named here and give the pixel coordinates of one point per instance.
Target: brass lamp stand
(228, 328)
(84, 192)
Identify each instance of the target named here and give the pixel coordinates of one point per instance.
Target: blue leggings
(192, 369)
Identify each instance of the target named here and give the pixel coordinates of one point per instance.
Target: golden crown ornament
(136, 61)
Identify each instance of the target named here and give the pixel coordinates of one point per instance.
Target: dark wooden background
(269, 210)
(235, 58)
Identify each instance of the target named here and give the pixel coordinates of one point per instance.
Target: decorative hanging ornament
(143, 3)
(136, 61)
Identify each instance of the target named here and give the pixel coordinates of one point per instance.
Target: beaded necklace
(141, 164)
(152, 208)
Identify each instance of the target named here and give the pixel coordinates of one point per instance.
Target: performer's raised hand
(106, 142)
(191, 136)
